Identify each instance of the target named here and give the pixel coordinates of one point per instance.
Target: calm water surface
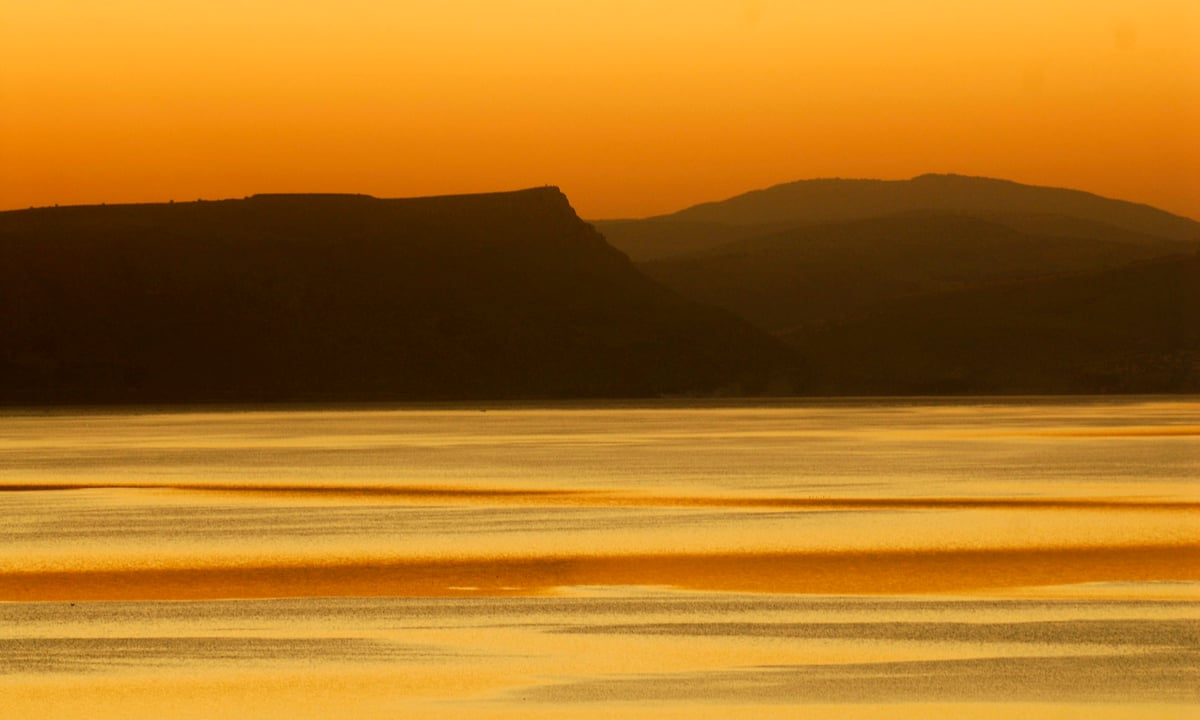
(968, 558)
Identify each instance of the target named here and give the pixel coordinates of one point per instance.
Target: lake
(968, 558)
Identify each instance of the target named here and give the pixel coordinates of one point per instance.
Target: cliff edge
(287, 298)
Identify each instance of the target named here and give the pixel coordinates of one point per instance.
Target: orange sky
(633, 107)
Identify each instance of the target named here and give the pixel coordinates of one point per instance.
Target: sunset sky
(631, 107)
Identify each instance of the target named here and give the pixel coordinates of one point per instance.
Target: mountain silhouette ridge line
(311, 298)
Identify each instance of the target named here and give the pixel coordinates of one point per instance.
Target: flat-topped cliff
(349, 298)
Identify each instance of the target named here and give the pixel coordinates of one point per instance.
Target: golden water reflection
(969, 558)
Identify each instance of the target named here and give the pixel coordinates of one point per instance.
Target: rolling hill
(943, 283)
(831, 201)
(936, 285)
(825, 273)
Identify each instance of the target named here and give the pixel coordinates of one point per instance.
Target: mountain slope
(834, 200)
(825, 273)
(1130, 329)
(311, 297)
(944, 284)
(828, 201)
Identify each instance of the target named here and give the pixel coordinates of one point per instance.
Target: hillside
(943, 283)
(348, 298)
(1134, 329)
(831, 201)
(826, 273)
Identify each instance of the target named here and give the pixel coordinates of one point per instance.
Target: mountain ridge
(788, 278)
(302, 298)
(928, 191)
(866, 280)
(340, 297)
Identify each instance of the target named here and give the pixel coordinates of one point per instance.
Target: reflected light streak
(837, 573)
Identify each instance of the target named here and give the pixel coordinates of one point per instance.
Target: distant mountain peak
(958, 177)
(836, 200)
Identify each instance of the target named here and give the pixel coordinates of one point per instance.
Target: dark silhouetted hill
(942, 283)
(825, 273)
(834, 200)
(349, 298)
(828, 201)
(1134, 329)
